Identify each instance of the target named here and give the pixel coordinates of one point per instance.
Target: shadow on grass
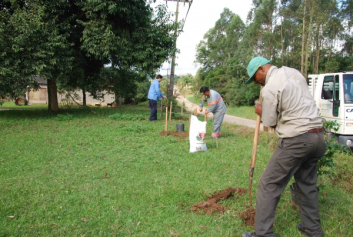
(15, 114)
(82, 112)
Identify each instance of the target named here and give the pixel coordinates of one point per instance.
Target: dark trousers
(296, 156)
(153, 106)
(217, 122)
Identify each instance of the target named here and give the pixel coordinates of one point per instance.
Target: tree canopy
(309, 35)
(69, 42)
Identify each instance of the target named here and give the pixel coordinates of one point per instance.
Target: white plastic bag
(197, 134)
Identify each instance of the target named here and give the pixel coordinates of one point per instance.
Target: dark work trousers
(296, 156)
(153, 106)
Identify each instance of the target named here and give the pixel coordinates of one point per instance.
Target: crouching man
(216, 106)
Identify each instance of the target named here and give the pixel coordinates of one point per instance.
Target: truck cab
(333, 94)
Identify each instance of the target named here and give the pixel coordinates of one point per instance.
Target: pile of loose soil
(212, 204)
(178, 135)
(248, 216)
(181, 118)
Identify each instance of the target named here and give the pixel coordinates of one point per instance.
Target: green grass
(12, 105)
(247, 112)
(91, 172)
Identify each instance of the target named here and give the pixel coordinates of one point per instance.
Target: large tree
(221, 43)
(68, 42)
(304, 34)
(221, 54)
(140, 47)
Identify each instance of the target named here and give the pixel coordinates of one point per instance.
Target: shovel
(254, 150)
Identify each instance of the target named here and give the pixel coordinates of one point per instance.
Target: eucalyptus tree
(347, 15)
(260, 33)
(327, 29)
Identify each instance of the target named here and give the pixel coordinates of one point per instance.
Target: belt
(315, 130)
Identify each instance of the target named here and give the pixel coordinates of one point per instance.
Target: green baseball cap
(253, 65)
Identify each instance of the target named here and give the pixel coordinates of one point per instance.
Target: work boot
(248, 234)
(305, 232)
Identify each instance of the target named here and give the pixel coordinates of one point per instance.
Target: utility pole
(171, 83)
(167, 89)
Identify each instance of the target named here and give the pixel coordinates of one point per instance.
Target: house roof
(40, 80)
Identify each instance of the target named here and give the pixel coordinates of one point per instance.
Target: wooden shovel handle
(254, 151)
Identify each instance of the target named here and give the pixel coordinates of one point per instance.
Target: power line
(171, 85)
(184, 1)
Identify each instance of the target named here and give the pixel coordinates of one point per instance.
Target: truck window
(336, 96)
(327, 88)
(348, 88)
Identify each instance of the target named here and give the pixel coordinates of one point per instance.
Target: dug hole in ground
(213, 203)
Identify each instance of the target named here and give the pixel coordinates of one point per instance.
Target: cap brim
(251, 79)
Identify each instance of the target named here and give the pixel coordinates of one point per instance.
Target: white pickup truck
(333, 93)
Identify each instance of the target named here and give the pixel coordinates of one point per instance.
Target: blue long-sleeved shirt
(154, 93)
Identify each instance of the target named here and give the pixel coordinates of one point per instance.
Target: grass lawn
(247, 112)
(12, 105)
(81, 173)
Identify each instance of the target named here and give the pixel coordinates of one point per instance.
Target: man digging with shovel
(289, 108)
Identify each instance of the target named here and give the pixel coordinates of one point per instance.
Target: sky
(202, 16)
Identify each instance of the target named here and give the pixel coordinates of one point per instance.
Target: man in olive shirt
(289, 108)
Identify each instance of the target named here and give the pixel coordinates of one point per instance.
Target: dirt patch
(182, 118)
(209, 207)
(212, 204)
(178, 135)
(228, 192)
(248, 216)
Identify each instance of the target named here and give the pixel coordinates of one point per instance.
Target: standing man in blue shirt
(153, 95)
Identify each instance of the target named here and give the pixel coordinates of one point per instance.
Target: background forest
(118, 46)
(313, 36)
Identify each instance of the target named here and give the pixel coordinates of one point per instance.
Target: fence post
(166, 118)
(161, 109)
(170, 111)
(189, 121)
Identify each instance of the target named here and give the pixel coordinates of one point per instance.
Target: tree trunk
(53, 105)
(118, 98)
(308, 44)
(316, 63)
(318, 46)
(303, 40)
(84, 97)
(282, 43)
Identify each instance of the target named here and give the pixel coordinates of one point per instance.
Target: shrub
(326, 162)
